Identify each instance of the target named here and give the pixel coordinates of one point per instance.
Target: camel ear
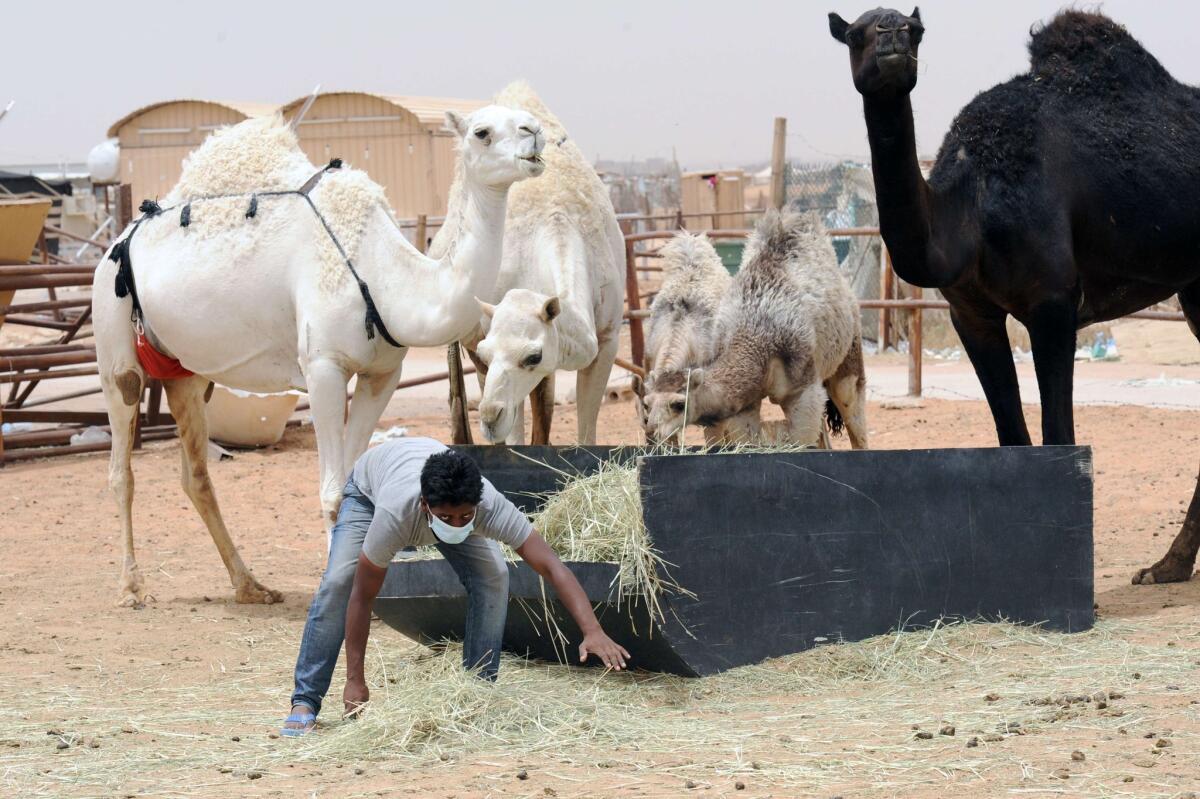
(838, 26)
(551, 309)
(916, 14)
(455, 124)
(487, 308)
(695, 379)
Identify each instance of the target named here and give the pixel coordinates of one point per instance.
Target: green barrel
(731, 253)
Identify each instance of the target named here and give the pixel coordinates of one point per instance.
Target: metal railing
(916, 304)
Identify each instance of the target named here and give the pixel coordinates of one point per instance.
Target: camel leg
(371, 396)
(823, 441)
(122, 394)
(1176, 566)
(541, 403)
(327, 399)
(805, 413)
(590, 384)
(1052, 334)
(985, 339)
(849, 395)
(186, 399)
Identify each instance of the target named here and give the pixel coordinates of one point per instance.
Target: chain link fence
(844, 195)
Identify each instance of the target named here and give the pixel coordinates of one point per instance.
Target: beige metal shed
(397, 139)
(155, 138)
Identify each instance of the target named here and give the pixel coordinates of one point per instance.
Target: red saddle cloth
(157, 365)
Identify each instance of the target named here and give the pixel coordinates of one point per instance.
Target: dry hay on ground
(896, 712)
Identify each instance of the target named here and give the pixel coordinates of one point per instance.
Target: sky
(629, 79)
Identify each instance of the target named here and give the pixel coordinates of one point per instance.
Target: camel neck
(429, 300)
(907, 220)
(473, 251)
(732, 383)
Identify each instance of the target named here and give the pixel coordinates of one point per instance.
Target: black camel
(1067, 196)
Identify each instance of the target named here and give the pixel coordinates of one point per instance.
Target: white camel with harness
(260, 272)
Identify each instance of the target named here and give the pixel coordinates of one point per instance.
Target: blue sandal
(309, 720)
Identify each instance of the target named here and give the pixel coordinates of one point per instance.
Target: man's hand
(609, 651)
(367, 579)
(538, 554)
(355, 695)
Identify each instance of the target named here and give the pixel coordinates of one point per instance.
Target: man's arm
(538, 554)
(368, 579)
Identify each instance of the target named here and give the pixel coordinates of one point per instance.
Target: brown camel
(1067, 196)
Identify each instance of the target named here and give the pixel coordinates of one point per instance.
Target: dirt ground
(195, 685)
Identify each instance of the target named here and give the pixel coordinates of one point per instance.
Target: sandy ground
(200, 683)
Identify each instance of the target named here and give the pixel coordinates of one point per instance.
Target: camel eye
(481, 134)
(677, 406)
(531, 360)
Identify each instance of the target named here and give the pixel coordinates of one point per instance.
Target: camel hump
(260, 154)
(778, 235)
(1086, 49)
(690, 253)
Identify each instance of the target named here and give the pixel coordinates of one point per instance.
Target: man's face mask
(448, 533)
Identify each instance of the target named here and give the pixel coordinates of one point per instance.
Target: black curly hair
(451, 478)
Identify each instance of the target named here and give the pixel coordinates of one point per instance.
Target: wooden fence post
(914, 345)
(885, 293)
(637, 341)
(422, 232)
(460, 418)
(779, 164)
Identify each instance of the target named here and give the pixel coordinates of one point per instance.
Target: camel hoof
(257, 594)
(1162, 573)
(134, 600)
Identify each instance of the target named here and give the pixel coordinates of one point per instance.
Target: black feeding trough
(787, 550)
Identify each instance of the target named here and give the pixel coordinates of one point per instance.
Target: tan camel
(792, 335)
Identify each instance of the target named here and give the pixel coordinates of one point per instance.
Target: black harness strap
(374, 320)
(149, 208)
(124, 283)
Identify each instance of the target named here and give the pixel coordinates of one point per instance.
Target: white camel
(558, 300)
(263, 300)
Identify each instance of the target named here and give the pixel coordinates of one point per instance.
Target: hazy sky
(628, 78)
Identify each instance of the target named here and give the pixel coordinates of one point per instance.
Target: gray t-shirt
(390, 476)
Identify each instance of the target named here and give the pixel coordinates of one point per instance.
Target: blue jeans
(478, 562)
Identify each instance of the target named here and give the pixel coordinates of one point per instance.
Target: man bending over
(414, 492)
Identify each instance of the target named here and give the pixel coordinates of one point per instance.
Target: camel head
(883, 50)
(520, 350)
(499, 145)
(667, 400)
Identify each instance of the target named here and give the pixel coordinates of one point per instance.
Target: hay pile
(837, 719)
(598, 518)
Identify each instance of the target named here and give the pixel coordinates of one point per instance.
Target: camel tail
(834, 418)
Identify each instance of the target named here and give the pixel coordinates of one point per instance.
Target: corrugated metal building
(398, 140)
(155, 138)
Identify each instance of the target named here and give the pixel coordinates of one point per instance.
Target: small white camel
(253, 293)
(684, 327)
(559, 294)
